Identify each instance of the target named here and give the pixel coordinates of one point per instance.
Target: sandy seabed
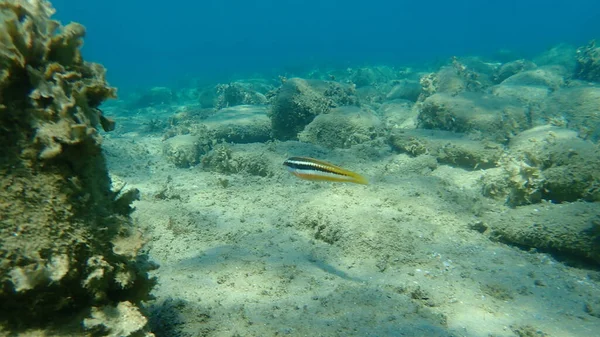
(244, 255)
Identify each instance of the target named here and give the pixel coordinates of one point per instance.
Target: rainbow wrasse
(314, 169)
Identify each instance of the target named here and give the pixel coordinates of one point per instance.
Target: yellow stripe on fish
(314, 169)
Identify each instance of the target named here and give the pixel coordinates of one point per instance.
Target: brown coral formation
(66, 240)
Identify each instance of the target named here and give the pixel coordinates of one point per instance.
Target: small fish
(314, 169)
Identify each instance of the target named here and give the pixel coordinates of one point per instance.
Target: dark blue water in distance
(152, 43)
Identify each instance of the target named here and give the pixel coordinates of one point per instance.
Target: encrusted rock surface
(67, 243)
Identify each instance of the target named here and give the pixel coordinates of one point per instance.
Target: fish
(314, 169)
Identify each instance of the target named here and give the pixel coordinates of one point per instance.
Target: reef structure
(69, 255)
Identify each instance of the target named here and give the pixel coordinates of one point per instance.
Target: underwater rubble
(70, 256)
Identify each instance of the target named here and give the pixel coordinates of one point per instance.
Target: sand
(245, 255)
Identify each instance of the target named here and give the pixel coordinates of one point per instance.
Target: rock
(342, 128)
(562, 55)
(297, 102)
(511, 68)
(237, 159)
(528, 95)
(400, 114)
(550, 77)
(240, 124)
(570, 229)
(453, 79)
(369, 76)
(530, 145)
(546, 163)
(183, 150)
(447, 147)
(570, 171)
(588, 62)
(237, 93)
(478, 114)
(404, 89)
(579, 105)
(153, 97)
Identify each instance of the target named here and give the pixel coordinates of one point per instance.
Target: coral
(61, 225)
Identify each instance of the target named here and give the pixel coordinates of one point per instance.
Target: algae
(60, 222)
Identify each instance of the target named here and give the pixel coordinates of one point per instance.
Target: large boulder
(298, 101)
(342, 128)
(577, 107)
(478, 114)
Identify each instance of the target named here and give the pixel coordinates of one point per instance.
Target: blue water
(150, 43)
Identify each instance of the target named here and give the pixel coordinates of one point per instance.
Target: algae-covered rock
(515, 182)
(511, 68)
(404, 89)
(191, 137)
(236, 159)
(552, 77)
(153, 97)
(369, 76)
(588, 62)
(561, 55)
(398, 113)
(571, 171)
(183, 150)
(240, 124)
(342, 128)
(579, 105)
(549, 163)
(531, 86)
(474, 113)
(528, 95)
(452, 80)
(447, 147)
(237, 93)
(570, 229)
(60, 222)
(297, 102)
